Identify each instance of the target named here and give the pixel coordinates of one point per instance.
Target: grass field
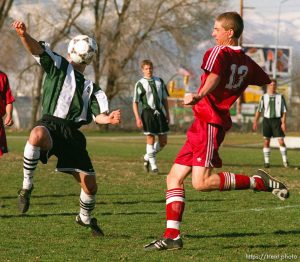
(227, 226)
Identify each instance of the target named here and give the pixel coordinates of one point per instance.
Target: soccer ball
(82, 48)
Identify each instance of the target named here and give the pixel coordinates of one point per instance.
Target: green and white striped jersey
(272, 105)
(66, 93)
(150, 92)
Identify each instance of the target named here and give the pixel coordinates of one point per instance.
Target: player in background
(69, 101)
(6, 109)
(274, 109)
(152, 93)
(227, 73)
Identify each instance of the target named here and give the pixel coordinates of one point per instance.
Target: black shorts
(69, 146)
(154, 122)
(272, 127)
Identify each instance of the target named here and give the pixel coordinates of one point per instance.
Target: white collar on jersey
(235, 47)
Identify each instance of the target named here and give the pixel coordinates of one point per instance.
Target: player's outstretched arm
(29, 43)
(113, 118)
(211, 83)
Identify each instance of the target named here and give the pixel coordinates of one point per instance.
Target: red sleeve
(261, 78)
(7, 95)
(213, 60)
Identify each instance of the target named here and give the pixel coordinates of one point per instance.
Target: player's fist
(254, 126)
(115, 117)
(8, 121)
(139, 123)
(191, 99)
(20, 27)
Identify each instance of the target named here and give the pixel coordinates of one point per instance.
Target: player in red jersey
(6, 109)
(227, 73)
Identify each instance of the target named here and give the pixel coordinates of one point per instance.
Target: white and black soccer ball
(82, 48)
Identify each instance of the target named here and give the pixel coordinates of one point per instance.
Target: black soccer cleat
(24, 199)
(164, 244)
(92, 226)
(267, 165)
(273, 185)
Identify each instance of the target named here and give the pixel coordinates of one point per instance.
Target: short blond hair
(146, 62)
(232, 20)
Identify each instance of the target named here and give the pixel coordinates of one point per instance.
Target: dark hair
(146, 62)
(273, 80)
(232, 20)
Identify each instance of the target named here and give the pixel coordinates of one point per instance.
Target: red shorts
(3, 143)
(202, 145)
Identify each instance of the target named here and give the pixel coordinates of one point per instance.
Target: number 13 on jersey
(237, 76)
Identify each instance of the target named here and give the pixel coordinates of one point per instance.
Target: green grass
(216, 226)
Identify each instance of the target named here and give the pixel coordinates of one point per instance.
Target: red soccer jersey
(237, 71)
(6, 96)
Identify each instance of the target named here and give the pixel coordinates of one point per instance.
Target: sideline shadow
(225, 235)
(129, 213)
(42, 196)
(259, 246)
(288, 232)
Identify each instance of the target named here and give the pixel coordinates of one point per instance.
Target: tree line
(127, 31)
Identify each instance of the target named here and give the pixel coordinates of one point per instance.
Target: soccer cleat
(154, 171)
(164, 244)
(286, 164)
(273, 185)
(267, 165)
(92, 226)
(24, 199)
(146, 166)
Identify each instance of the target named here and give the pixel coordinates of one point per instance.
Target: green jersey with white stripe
(273, 106)
(151, 93)
(66, 93)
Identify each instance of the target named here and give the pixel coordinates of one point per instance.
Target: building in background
(264, 55)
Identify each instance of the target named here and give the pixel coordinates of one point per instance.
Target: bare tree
(128, 30)
(58, 35)
(56, 28)
(5, 6)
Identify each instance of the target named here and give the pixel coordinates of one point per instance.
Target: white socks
(30, 161)
(87, 205)
(283, 152)
(157, 147)
(150, 156)
(267, 153)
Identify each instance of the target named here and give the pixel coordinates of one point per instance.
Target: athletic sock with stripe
(175, 202)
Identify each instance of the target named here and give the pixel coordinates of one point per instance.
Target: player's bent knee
(200, 187)
(174, 182)
(37, 135)
(91, 190)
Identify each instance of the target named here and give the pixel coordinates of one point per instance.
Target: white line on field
(265, 209)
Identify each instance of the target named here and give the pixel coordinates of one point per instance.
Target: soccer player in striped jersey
(69, 101)
(152, 93)
(227, 73)
(274, 109)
